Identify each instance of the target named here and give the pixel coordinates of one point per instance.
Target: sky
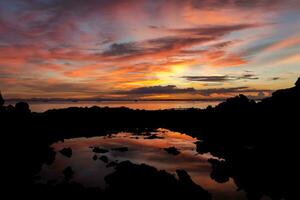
(148, 49)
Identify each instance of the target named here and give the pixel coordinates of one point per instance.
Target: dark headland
(258, 142)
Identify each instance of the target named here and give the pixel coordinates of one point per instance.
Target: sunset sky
(148, 48)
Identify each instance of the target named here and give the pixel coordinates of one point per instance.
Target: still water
(147, 105)
(140, 148)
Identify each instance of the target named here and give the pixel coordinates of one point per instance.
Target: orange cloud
(229, 61)
(284, 44)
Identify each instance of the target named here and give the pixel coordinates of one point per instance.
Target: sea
(37, 106)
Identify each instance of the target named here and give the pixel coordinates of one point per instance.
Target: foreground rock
(104, 159)
(1, 100)
(95, 157)
(68, 173)
(66, 152)
(129, 179)
(99, 150)
(121, 149)
(172, 150)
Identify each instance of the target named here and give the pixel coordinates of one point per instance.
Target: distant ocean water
(147, 105)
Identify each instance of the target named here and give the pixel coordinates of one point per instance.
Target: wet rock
(49, 155)
(121, 149)
(68, 173)
(134, 137)
(129, 178)
(95, 157)
(220, 170)
(66, 152)
(188, 185)
(1, 100)
(99, 150)
(172, 150)
(111, 164)
(201, 147)
(104, 159)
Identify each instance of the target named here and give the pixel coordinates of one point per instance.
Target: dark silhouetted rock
(49, 155)
(220, 171)
(111, 164)
(10, 108)
(121, 149)
(104, 159)
(298, 82)
(68, 173)
(66, 152)
(1, 100)
(235, 104)
(22, 107)
(172, 150)
(95, 157)
(130, 178)
(99, 150)
(188, 185)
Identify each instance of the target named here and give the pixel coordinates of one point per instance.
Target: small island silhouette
(256, 141)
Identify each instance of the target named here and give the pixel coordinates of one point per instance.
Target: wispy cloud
(172, 89)
(169, 89)
(224, 78)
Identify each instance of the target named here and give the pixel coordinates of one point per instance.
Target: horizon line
(112, 99)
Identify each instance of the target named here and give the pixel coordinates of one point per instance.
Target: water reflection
(93, 158)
